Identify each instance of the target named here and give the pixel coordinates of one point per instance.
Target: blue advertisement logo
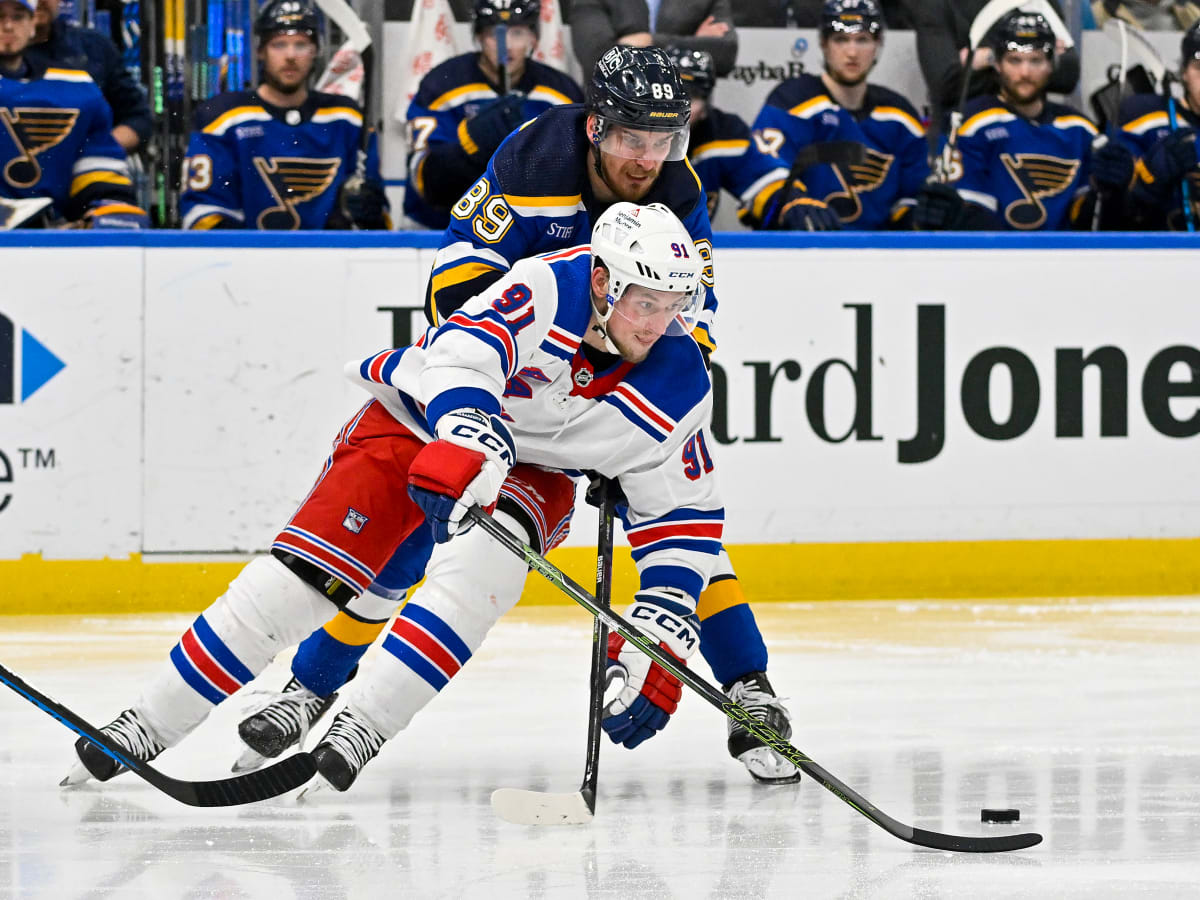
(39, 364)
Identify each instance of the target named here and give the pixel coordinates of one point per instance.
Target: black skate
(348, 745)
(754, 693)
(282, 723)
(126, 731)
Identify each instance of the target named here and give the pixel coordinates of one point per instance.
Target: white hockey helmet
(648, 246)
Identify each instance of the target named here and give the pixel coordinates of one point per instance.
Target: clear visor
(657, 145)
(663, 313)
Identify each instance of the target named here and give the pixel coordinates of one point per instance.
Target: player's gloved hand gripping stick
(918, 836)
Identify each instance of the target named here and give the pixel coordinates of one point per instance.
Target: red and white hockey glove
(651, 693)
(465, 466)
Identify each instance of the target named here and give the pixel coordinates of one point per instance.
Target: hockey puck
(999, 815)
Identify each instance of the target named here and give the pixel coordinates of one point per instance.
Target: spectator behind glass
(805, 13)
(943, 28)
(59, 43)
(706, 25)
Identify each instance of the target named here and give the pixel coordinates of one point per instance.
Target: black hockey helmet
(286, 17)
(638, 88)
(1021, 32)
(489, 13)
(851, 17)
(696, 70)
(1191, 43)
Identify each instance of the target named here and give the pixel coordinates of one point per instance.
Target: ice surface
(1083, 715)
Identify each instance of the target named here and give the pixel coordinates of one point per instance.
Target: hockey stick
(540, 808)
(1153, 64)
(261, 785)
(501, 33)
(932, 839)
(1123, 74)
(831, 153)
(359, 38)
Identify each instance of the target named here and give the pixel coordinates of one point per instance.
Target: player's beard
(1022, 92)
(297, 79)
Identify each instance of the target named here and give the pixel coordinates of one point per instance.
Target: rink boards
(903, 416)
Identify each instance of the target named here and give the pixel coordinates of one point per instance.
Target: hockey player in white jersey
(573, 360)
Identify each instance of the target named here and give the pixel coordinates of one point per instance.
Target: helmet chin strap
(601, 325)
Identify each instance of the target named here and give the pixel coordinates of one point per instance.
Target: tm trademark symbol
(36, 458)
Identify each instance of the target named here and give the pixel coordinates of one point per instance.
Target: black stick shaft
(272, 781)
(735, 712)
(599, 669)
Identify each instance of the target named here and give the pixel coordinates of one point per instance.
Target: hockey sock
(730, 641)
(265, 609)
(325, 659)
(472, 581)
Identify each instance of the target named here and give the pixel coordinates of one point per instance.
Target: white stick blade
(535, 808)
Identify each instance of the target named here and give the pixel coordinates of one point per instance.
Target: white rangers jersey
(514, 351)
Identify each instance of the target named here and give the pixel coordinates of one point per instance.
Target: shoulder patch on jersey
(327, 114)
(1075, 120)
(993, 115)
(77, 75)
(1148, 122)
(901, 117)
(239, 115)
(544, 161)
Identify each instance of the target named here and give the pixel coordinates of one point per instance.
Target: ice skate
(127, 732)
(282, 723)
(754, 693)
(349, 745)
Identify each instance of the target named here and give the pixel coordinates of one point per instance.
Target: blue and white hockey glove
(465, 466)
(1174, 154)
(651, 693)
(487, 129)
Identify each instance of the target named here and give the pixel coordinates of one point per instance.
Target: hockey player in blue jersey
(721, 148)
(279, 157)
(55, 137)
(497, 383)
(840, 105)
(1022, 162)
(1162, 155)
(545, 187)
(464, 108)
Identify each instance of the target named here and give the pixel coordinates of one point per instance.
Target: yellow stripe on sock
(351, 631)
(719, 596)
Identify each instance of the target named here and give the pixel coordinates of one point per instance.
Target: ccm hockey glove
(651, 693)
(465, 466)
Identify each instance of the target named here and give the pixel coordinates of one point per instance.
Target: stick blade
(536, 808)
(970, 844)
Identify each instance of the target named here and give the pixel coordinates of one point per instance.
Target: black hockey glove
(939, 207)
(363, 203)
(1173, 155)
(806, 213)
(488, 128)
(1112, 166)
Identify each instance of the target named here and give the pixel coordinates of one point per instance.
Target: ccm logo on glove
(644, 613)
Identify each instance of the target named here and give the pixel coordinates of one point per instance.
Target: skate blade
(768, 767)
(77, 775)
(249, 761)
(316, 790)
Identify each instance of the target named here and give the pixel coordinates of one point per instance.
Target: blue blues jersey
(880, 191)
(725, 155)
(56, 141)
(449, 95)
(253, 165)
(1031, 174)
(515, 350)
(535, 198)
(1144, 121)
